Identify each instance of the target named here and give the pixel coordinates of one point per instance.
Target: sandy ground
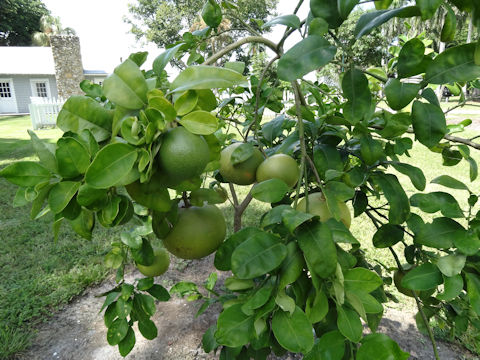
(77, 332)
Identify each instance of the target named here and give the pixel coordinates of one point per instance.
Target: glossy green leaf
(257, 255)
(61, 194)
(307, 55)
(370, 304)
(349, 323)
(361, 279)
(186, 103)
(466, 242)
(200, 122)
(73, 158)
(399, 94)
(311, 238)
(424, 277)
(91, 198)
(327, 10)
(428, 7)
(238, 66)
(429, 123)
(112, 163)
(288, 20)
(117, 331)
(164, 58)
(144, 254)
(83, 224)
(331, 346)
(327, 157)
(371, 150)
(285, 302)
(336, 192)
(449, 26)
(148, 329)
(381, 347)
(317, 306)
(437, 201)
(473, 290)
(127, 343)
(161, 104)
(81, 112)
(410, 58)
(206, 77)
(126, 87)
(25, 173)
(340, 233)
(456, 64)
(440, 233)
(451, 265)
(234, 328)
(393, 191)
(450, 182)
(292, 218)
(372, 20)
(355, 89)
(345, 7)
(270, 191)
(292, 266)
(414, 173)
(294, 332)
(159, 292)
(146, 303)
(452, 287)
(318, 26)
(45, 152)
(387, 235)
(258, 299)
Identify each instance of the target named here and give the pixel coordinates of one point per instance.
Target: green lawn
(38, 276)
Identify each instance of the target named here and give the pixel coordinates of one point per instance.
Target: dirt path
(78, 333)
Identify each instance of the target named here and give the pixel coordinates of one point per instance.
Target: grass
(39, 276)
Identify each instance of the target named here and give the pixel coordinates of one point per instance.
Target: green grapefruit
(243, 173)
(198, 232)
(160, 264)
(279, 166)
(183, 155)
(317, 205)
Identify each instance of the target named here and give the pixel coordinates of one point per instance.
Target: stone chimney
(68, 64)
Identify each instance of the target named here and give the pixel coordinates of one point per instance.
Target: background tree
(19, 19)
(163, 21)
(50, 25)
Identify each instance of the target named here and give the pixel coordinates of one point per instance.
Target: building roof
(31, 60)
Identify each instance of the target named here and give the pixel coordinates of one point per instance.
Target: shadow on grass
(15, 149)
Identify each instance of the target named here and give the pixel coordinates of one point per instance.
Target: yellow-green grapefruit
(182, 155)
(160, 264)
(198, 232)
(243, 173)
(279, 166)
(317, 205)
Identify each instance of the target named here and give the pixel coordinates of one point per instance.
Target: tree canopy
(19, 20)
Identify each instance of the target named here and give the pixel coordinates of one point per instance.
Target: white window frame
(12, 92)
(33, 86)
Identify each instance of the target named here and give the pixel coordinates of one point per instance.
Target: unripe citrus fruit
(279, 166)
(183, 155)
(159, 266)
(243, 173)
(198, 232)
(317, 205)
(153, 194)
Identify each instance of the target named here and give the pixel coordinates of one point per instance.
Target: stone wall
(68, 64)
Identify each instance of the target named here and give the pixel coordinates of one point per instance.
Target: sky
(104, 36)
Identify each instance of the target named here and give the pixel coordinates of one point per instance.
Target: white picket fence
(44, 111)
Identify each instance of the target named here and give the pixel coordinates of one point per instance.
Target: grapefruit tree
(300, 281)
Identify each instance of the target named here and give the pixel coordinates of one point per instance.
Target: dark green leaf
(159, 292)
(415, 174)
(387, 235)
(272, 190)
(456, 64)
(381, 347)
(206, 77)
(437, 201)
(327, 10)
(410, 58)
(25, 173)
(73, 158)
(234, 328)
(327, 157)
(449, 26)
(81, 112)
(428, 123)
(117, 331)
(330, 346)
(293, 332)
(163, 59)
(208, 339)
(292, 218)
(224, 253)
(45, 152)
(311, 238)
(393, 191)
(212, 13)
(292, 266)
(145, 283)
(345, 7)
(451, 265)
(440, 233)
(400, 94)
(148, 329)
(127, 343)
(371, 150)
(473, 290)
(309, 54)
(361, 279)
(450, 182)
(340, 233)
(257, 255)
(425, 277)
(452, 287)
(110, 165)
(371, 20)
(83, 224)
(110, 314)
(467, 242)
(355, 89)
(123, 308)
(349, 323)
(317, 306)
(288, 20)
(144, 255)
(318, 26)
(428, 7)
